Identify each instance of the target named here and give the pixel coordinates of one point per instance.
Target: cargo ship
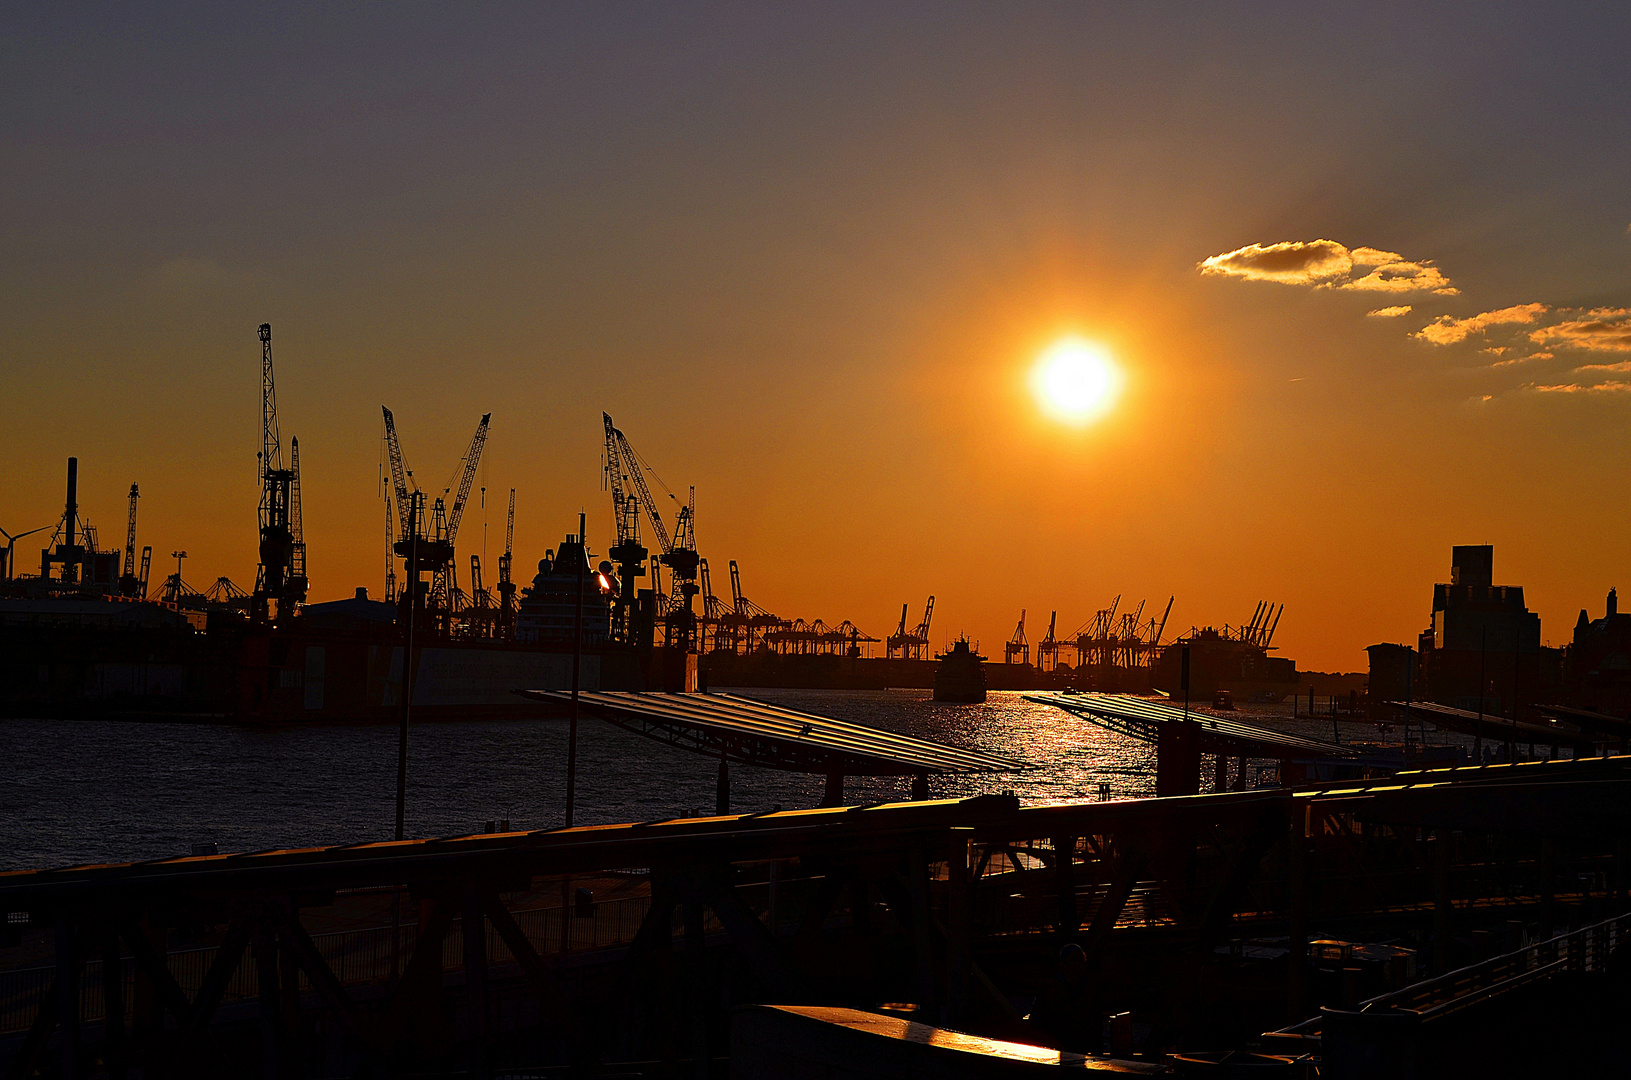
(961, 674)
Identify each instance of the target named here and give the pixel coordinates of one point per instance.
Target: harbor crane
(1047, 651)
(1017, 645)
(911, 646)
(678, 553)
(128, 581)
(506, 586)
(429, 537)
(280, 578)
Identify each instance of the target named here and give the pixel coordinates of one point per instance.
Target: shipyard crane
(390, 555)
(280, 578)
(428, 537)
(128, 580)
(1017, 645)
(445, 584)
(506, 587)
(679, 553)
(295, 588)
(627, 553)
(142, 574)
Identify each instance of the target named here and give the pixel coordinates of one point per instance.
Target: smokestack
(1613, 604)
(70, 512)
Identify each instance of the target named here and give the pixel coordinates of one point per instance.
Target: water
(107, 791)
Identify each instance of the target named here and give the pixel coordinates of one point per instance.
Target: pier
(623, 948)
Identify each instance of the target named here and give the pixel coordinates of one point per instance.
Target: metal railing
(357, 957)
(1586, 949)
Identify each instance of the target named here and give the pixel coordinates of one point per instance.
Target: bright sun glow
(1076, 380)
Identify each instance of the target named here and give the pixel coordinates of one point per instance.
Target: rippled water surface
(97, 791)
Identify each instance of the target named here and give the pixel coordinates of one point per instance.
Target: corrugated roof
(752, 732)
(1142, 719)
(1490, 726)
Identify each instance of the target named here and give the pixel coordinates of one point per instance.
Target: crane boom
(399, 476)
(617, 445)
(471, 457)
(509, 542)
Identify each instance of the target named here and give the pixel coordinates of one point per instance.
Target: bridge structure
(623, 947)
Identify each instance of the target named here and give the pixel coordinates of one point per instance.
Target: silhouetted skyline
(808, 257)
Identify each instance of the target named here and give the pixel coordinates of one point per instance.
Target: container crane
(914, 645)
(1047, 652)
(1017, 645)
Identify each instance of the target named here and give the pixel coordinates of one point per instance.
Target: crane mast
(506, 587)
(278, 578)
(128, 580)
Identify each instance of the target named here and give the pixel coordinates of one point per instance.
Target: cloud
(1326, 264)
(1292, 262)
(1388, 312)
(1401, 276)
(1447, 329)
(1594, 388)
(1599, 330)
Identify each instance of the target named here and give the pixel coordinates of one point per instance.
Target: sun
(1076, 380)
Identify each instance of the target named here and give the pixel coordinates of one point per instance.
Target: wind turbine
(11, 544)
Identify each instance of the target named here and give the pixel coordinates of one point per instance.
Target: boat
(961, 674)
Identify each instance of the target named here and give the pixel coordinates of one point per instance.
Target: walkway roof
(1141, 719)
(753, 733)
(1496, 728)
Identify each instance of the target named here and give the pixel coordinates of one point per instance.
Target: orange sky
(806, 260)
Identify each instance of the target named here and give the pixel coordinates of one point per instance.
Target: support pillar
(722, 788)
(920, 787)
(1441, 902)
(1177, 760)
(267, 977)
(113, 995)
(696, 945)
(68, 970)
(1220, 772)
(1064, 873)
(834, 795)
(475, 978)
(1297, 867)
(960, 919)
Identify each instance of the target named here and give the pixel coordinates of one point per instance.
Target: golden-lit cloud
(1401, 276)
(1599, 330)
(1292, 262)
(1326, 264)
(1448, 330)
(1389, 312)
(1577, 388)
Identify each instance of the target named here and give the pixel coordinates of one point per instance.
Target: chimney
(70, 513)
(1613, 604)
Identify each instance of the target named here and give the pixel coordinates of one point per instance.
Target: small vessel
(961, 674)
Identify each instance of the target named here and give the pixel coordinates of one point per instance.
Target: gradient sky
(805, 256)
